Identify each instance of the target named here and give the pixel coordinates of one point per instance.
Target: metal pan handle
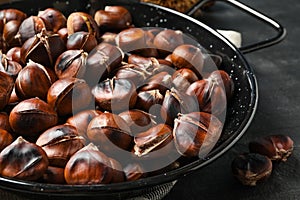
(281, 31)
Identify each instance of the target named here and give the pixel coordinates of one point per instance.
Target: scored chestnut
(23, 160)
(9, 66)
(60, 143)
(251, 168)
(30, 27)
(81, 41)
(88, 166)
(6, 88)
(276, 147)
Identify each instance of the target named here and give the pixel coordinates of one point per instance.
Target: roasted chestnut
(148, 64)
(82, 119)
(60, 143)
(81, 21)
(211, 96)
(115, 94)
(276, 147)
(250, 168)
(221, 78)
(113, 18)
(183, 78)
(7, 15)
(188, 56)
(132, 40)
(63, 34)
(44, 48)
(196, 133)
(34, 80)
(138, 120)
(8, 66)
(53, 19)
(69, 95)
(134, 171)
(31, 117)
(71, 64)
(5, 139)
(167, 40)
(88, 166)
(14, 54)
(149, 142)
(102, 61)
(4, 121)
(109, 37)
(82, 41)
(6, 88)
(118, 174)
(10, 31)
(176, 102)
(110, 132)
(23, 160)
(29, 28)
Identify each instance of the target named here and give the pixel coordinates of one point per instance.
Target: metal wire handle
(281, 31)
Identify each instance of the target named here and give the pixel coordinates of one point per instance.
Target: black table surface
(278, 72)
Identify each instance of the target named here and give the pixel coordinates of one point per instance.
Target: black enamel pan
(240, 111)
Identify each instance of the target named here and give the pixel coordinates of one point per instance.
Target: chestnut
(176, 102)
(150, 101)
(34, 80)
(115, 94)
(63, 34)
(82, 41)
(138, 120)
(167, 40)
(69, 95)
(149, 64)
(10, 14)
(151, 141)
(251, 168)
(54, 175)
(10, 31)
(4, 122)
(161, 81)
(71, 64)
(113, 18)
(82, 119)
(81, 21)
(110, 132)
(14, 54)
(23, 160)
(133, 73)
(29, 28)
(196, 133)
(223, 80)
(60, 143)
(5, 139)
(31, 117)
(6, 88)
(8, 66)
(132, 40)
(134, 171)
(88, 166)
(109, 37)
(183, 78)
(276, 147)
(211, 96)
(103, 60)
(118, 174)
(53, 19)
(188, 56)
(38, 48)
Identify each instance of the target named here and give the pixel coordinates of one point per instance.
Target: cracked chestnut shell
(110, 132)
(71, 64)
(81, 41)
(149, 143)
(196, 133)
(9, 66)
(276, 147)
(29, 28)
(31, 117)
(69, 95)
(251, 168)
(43, 48)
(60, 143)
(6, 88)
(115, 94)
(183, 78)
(34, 80)
(223, 79)
(23, 160)
(88, 166)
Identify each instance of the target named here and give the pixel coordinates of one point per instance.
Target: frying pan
(240, 111)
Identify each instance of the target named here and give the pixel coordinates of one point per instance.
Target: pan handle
(281, 31)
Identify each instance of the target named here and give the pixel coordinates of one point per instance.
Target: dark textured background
(278, 72)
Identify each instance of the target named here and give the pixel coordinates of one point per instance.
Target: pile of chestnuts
(257, 165)
(95, 100)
